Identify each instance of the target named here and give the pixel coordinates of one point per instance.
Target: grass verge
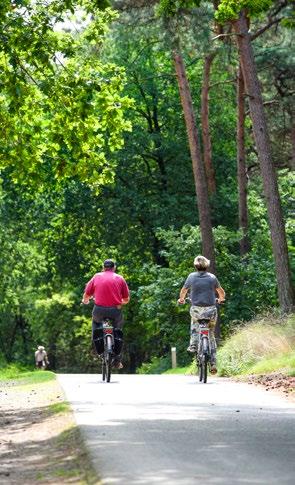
(284, 363)
(77, 464)
(58, 408)
(25, 375)
(178, 370)
(261, 346)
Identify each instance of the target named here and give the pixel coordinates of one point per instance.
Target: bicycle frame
(204, 335)
(204, 349)
(108, 334)
(107, 356)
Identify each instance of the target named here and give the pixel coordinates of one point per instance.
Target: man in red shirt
(109, 291)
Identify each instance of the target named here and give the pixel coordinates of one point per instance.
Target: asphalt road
(145, 429)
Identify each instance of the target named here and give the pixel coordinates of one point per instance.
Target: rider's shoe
(192, 348)
(213, 369)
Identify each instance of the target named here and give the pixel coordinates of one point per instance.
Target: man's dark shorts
(113, 313)
(116, 316)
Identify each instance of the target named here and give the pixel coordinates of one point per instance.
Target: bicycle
(108, 344)
(107, 356)
(203, 354)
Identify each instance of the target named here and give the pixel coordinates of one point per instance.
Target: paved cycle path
(166, 429)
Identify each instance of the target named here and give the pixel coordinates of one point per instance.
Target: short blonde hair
(202, 263)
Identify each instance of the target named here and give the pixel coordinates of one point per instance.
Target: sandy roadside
(39, 440)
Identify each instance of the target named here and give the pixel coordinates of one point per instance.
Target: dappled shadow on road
(187, 444)
(30, 457)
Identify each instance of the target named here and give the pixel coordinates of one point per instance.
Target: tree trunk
(292, 136)
(9, 347)
(207, 147)
(241, 164)
(23, 330)
(197, 162)
(269, 177)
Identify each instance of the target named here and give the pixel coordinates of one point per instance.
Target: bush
(158, 365)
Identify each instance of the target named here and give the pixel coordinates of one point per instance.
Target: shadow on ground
(35, 448)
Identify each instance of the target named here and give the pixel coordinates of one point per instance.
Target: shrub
(157, 365)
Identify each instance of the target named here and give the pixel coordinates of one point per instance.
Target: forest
(147, 131)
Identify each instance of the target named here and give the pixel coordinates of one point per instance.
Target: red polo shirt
(108, 288)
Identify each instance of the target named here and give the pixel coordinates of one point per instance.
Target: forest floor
(275, 381)
(40, 442)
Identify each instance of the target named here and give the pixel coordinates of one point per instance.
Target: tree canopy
(95, 163)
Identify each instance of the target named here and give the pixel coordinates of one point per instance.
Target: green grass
(58, 408)
(78, 463)
(64, 473)
(284, 363)
(157, 365)
(262, 346)
(25, 375)
(178, 370)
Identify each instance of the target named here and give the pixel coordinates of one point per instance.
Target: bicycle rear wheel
(109, 352)
(103, 370)
(108, 367)
(205, 367)
(205, 358)
(199, 367)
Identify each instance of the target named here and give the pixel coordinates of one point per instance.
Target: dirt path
(39, 441)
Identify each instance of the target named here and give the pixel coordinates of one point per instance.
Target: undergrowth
(264, 345)
(157, 365)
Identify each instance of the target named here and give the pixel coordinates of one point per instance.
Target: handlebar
(188, 300)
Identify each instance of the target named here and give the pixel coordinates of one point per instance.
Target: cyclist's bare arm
(182, 295)
(86, 299)
(125, 300)
(221, 294)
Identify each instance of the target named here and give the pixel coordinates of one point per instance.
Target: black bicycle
(108, 343)
(203, 354)
(107, 355)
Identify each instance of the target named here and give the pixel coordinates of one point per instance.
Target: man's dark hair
(109, 263)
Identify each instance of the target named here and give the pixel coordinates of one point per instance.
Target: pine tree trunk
(197, 162)
(241, 164)
(269, 177)
(207, 147)
(292, 158)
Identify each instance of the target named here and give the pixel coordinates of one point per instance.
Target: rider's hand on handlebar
(220, 301)
(181, 301)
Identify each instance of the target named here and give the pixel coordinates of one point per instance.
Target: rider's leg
(97, 337)
(117, 317)
(213, 342)
(97, 333)
(213, 345)
(194, 334)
